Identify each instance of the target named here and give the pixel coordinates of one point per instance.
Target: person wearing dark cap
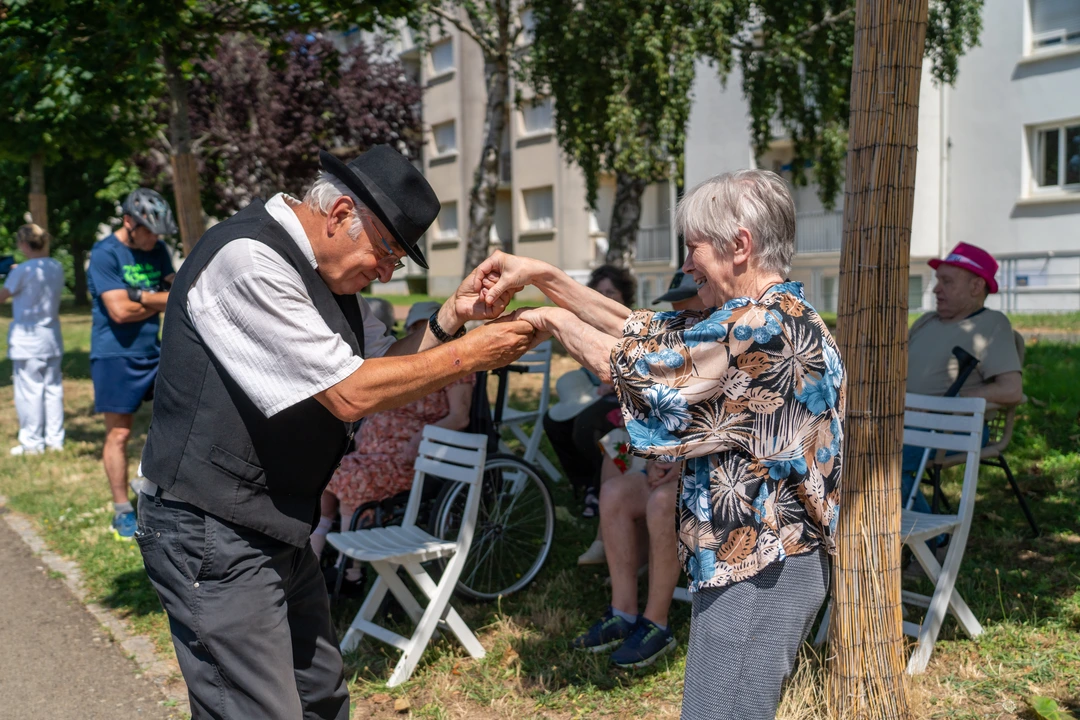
(965, 278)
(269, 361)
(682, 293)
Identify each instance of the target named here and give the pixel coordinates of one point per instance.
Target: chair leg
(367, 611)
(425, 626)
(464, 635)
(1019, 495)
(945, 597)
(388, 572)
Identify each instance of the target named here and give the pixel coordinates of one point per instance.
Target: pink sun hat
(974, 260)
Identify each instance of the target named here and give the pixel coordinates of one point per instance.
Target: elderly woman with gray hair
(749, 394)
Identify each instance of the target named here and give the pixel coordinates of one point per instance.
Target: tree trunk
(866, 668)
(189, 213)
(39, 204)
(625, 219)
(78, 260)
(486, 177)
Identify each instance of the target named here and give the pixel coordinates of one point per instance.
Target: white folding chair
(954, 424)
(446, 454)
(537, 360)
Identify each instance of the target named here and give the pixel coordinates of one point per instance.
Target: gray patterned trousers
(744, 638)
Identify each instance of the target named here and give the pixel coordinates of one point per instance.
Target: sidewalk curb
(163, 672)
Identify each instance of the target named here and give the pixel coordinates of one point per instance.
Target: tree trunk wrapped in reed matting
(866, 655)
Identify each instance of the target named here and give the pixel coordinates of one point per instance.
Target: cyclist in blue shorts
(129, 276)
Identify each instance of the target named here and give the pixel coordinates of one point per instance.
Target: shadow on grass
(132, 595)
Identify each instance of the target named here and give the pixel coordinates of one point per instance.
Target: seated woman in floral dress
(387, 445)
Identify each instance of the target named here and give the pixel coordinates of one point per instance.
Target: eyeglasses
(398, 262)
(369, 227)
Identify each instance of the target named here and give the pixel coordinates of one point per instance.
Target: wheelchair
(515, 528)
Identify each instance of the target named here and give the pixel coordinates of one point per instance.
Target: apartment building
(998, 162)
(540, 210)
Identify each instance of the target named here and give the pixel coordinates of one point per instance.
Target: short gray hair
(758, 200)
(326, 190)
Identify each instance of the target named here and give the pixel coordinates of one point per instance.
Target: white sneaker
(23, 450)
(594, 555)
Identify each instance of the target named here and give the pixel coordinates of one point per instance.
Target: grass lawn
(1025, 591)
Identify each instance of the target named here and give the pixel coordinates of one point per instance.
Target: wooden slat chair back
(453, 456)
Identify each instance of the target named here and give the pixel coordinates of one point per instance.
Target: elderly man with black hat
(269, 361)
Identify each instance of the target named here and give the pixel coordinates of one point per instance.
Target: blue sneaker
(648, 644)
(606, 633)
(123, 526)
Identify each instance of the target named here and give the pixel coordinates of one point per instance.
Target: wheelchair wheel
(515, 527)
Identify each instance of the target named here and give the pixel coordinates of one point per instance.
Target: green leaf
(1047, 709)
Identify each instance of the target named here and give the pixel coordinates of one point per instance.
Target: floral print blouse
(752, 396)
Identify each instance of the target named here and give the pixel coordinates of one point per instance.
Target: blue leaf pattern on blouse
(752, 396)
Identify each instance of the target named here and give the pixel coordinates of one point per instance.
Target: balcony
(819, 232)
(653, 244)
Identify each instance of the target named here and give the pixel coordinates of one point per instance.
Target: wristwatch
(135, 294)
(442, 335)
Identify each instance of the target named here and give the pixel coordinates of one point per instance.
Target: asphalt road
(56, 661)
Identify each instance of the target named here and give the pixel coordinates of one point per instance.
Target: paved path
(56, 661)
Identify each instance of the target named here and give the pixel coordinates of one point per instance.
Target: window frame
(441, 232)
(1036, 159)
(532, 103)
(1031, 50)
(527, 226)
(435, 71)
(450, 152)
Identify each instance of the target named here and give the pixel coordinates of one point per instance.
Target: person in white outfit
(34, 343)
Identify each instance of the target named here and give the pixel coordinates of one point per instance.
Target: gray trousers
(744, 639)
(249, 615)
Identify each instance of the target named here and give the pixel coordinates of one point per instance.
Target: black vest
(208, 444)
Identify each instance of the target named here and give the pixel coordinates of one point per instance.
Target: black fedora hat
(388, 184)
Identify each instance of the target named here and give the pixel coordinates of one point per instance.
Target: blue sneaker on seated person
(607, 632)
(646, 645)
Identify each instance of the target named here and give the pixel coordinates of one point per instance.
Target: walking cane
(967, 363)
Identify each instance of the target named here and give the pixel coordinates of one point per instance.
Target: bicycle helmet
(148, 208)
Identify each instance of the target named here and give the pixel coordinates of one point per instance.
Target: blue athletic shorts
(122, 383)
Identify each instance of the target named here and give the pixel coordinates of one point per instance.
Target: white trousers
(39, 402)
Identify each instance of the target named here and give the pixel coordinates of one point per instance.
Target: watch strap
(438, 332)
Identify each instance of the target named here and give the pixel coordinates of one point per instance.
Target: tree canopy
(796, 60)
(259, 118)
(73, 80)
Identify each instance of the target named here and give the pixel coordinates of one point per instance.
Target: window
(1054, 23)
(539, 209)
(914, 292)
(828, 293)
(1057, 157)
(442, 56)
(448, 222)
(445, 138)
(537, 115)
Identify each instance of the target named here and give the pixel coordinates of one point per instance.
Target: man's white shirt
(253, 312)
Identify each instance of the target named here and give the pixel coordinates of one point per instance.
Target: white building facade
(998, 162)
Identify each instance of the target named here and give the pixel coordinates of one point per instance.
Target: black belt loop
(157, 495)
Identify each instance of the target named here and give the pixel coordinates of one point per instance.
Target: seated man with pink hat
(965, 277)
